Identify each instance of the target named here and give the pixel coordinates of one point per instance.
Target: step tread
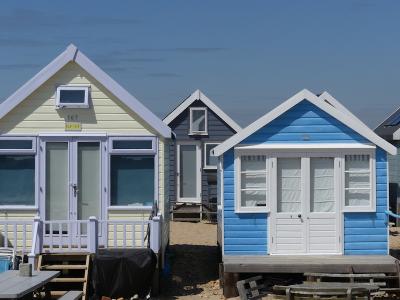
(68, 279)
(64, 267)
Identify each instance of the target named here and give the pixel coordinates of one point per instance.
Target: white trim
(152, 150)
(73, 54)
(308, 147)
(84, 104)
(198, 95)
(346, 119)
(198, 197)
(238, 189)
(372, 204)
(19, 150)
(128, 207)
(198, 132)
(205, 166)
(396, 135)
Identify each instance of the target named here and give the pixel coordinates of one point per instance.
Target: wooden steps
(74, 272)
(187, 212)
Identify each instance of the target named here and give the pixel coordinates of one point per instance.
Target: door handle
(299, 216)
(75, 188)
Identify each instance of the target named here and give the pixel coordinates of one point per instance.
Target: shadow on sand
(190, 267)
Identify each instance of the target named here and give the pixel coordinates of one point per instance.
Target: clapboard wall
(218, 131)
(247, 233)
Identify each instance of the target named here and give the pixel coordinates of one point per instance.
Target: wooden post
(230, 280)
(37, 240)
(155, 233)
(93, 235)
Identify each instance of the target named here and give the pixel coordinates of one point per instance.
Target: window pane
(357, 180)
(253, 177)
(17, 184)
(198, 120)
(57, 182)
(132, 144)
(72, 96)
(289, 184)
(322, 184)
(188, 171)
(15, 144)
(357, 163)
(211, 160)
(89, 175)
(253, 198)
(357, 197)
(132, 180)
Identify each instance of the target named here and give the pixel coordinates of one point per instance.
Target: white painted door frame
(198, 169)
(303, 218)
(73, 175)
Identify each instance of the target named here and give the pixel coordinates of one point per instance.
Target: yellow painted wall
(37, 113)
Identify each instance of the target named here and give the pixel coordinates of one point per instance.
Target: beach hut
(83, 164)
(198, 125)
(304, 188)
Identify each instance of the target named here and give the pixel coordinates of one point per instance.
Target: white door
(189, 172)
(305, 218)
(71, 182)
(323, 218)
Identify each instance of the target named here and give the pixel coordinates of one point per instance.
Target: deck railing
(37, 236)
(16, 234)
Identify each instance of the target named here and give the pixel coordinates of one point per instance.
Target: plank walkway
(310, 263)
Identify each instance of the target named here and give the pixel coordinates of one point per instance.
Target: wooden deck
(310, 263)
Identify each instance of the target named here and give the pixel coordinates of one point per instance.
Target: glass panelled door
(71, 183)
(188, 173)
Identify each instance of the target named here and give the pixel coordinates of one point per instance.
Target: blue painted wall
(366, 233)
(246, 234)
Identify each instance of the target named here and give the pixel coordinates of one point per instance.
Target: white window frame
(209, 167)
(60, 88)
(153, 151)
(32, 151)
(191, 131)
(238, 184)
(372, 165)
(271, 158)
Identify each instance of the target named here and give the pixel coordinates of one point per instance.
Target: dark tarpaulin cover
(122, 273)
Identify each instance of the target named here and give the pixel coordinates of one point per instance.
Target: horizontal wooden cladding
(244, 233)
(366, 233)
(105, 113)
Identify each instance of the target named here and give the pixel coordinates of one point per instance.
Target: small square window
(72, 97)
(358, 185)
(198, 121)
(210, 162)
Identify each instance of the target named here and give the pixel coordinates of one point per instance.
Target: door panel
(89, 178)
(323, 219)
(57, 179)
(189, 175)
(289, 231)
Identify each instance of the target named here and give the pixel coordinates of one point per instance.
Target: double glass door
(71, 182)
(305, 217)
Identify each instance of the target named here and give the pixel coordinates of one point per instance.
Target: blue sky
(247, 56)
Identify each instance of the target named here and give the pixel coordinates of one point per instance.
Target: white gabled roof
(334, 108)
(198, 95)
(72, 53)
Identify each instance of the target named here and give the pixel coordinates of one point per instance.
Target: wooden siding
(367, 233)
(37, 113)
(246, 233)
(218, 131)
